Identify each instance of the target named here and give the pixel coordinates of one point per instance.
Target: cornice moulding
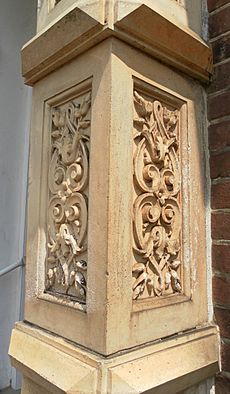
(171, 43)
(143, 28)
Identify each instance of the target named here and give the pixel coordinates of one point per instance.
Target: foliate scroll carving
(157, 267)
(68, 191)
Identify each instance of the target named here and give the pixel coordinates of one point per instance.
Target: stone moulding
(161, 37)
(143, 28)
(86, 372)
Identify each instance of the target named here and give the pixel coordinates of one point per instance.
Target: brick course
(221, 48)
(214, 4)
(219, 22)
(221, 226)
(219, 145)
(220, 165)
(221, 258)
(225, 354)
(222, 385)
(222, 317)
(221, 293)
(219, 135)
(221, 78)
(220, 195)
(218, 106)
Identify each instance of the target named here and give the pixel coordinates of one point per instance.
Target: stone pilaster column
(116, 282)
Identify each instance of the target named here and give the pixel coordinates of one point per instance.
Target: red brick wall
(219, 144)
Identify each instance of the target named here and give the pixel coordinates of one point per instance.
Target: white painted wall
(17, 25)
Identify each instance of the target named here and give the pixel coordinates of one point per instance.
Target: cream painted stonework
(122, 230)
(116, 243)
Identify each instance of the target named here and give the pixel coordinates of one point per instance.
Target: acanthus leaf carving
(157, 204)
(68, 198)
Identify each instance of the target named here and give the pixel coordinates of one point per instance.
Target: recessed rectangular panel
(68, 133)
(157, 196)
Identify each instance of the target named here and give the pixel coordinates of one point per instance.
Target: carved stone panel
(157, 205)
(66, 265)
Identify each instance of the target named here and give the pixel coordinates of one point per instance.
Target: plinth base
(51, 364)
